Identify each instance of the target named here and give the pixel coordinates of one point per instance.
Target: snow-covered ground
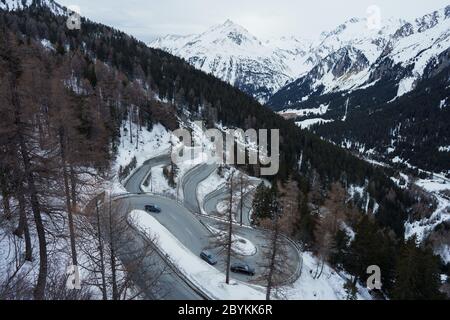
(434, 184)
(401, 182)
(405, 86)
(328, 287)
(151, 144)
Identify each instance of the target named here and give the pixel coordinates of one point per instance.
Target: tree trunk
(321, 269)
(138, 127)
(39, 291)
(62, 140)
(242, 197)
(230, 232)
(6, 204)
(131, 121)
(102, 258)
(273, 257)
(22, 229)
(115, 290)
(73, 188)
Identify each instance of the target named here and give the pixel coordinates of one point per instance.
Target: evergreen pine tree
(417, 274)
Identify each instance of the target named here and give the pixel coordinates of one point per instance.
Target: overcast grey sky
(265, 19)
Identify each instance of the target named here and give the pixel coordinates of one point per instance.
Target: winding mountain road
(184, 221)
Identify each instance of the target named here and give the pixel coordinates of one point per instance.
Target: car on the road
(152, 208)
(208, 257)
(243, 269)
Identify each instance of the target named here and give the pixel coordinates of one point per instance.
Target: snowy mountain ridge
(234, 55)
(400, 52)
(345, 58)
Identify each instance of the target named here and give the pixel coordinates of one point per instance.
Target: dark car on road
(152, 208)
(242, 268)
(208, 257)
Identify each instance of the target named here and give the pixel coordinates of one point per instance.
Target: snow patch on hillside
(406, 85)
(323, 109)
(47, 45)
(305, 124)
(422, 228)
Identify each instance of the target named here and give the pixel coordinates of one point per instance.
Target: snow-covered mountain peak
(228, 34)
(229, 24)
